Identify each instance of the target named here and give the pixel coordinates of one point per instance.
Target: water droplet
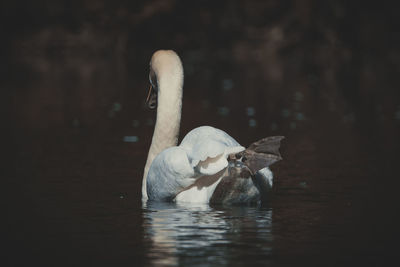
(285, 113)
(223, 111)
(227, 84)
(121, 196)
(130, 139)
(250, 111)
(116, 106)
(303, 185)
(300, 116)
(252, 123)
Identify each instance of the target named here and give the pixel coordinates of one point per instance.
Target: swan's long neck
(169, 105)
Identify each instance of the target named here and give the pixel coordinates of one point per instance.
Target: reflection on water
(198, 234)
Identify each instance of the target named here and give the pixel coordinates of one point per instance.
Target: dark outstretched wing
(262, 153)
(269, 145)
(237, 185)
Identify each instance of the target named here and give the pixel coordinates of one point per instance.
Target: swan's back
(208, 148)
(203, 133)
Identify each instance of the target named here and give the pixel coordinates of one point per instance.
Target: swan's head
(166, 69)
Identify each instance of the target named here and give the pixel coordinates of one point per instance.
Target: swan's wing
(238, 175)
(262, 153)
(210, 156)
(236, 185)
(268, 145)
(239, 185)
(169, 173)
(202, 189)
(208, 149)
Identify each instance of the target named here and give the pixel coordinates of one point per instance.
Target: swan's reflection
(191, 234)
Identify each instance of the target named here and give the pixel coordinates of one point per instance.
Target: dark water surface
(77, 201)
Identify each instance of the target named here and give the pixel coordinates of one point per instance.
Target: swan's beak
(151, 100)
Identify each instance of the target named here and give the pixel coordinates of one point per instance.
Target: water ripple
(219, 236)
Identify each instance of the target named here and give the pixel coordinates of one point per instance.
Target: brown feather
(262, 153)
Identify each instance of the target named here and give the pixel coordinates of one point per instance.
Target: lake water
(76, 201)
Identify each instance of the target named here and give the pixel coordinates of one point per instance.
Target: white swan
(208, 165)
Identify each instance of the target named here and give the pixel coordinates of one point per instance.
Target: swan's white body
(202, 153)
(191, 171)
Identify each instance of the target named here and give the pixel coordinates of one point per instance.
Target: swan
(208, 166)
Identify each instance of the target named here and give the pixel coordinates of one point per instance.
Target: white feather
(204, 151)
(197, 194)
(169, 173)
(208, 149)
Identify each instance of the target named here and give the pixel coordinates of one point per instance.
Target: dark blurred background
(74, 76)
